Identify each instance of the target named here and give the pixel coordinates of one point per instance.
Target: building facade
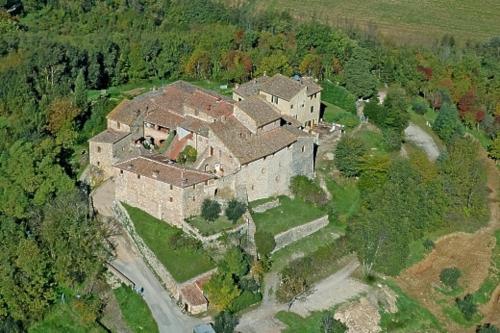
(247, 147)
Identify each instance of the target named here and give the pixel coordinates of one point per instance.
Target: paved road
(166, 313)
(422, 139)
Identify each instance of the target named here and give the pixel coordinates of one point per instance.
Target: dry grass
(404, 21)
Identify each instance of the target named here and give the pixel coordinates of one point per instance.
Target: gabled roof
(252, 87)
(126, 112)
(282, 86)
(164, 171)
(109, 136)
(261, 111)
(312, 86)
(247, 147)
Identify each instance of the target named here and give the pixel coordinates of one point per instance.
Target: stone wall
(149, 257)
(267, 205)
(292, 235)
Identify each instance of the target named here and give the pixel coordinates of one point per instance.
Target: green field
(158, 235)
(291, 213)
(207, 228)
(135, 311)
(404, 21)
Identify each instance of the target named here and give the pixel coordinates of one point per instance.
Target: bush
(180, 240)
(467, 306)
(392, 139)
(265, 243)
(487, 328)
(245, 300)
(235, 209)
(450, 276)
(307, 190)
(210, 210)
(225, 322)
(428, 244)
(332, 325)
(419, 105)
(188, 155)
(348, 155)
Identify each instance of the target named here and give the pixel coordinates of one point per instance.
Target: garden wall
(149, 257)
(292, 235)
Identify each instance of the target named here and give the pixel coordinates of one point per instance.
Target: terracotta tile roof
(252, 87)
(195, 125)
(109, 136)
(282, 86)
(291, 120)
(157, 168)
(247, 147)
(210, 103)
(126, 112)
(261, 111)
(164, 118)
(192, 295)
(312, 86)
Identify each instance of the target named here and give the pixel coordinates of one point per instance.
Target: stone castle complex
(248, 147)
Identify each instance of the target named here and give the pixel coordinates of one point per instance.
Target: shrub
(348, 155)
(307, 190)
(265, 243)
(428, 244)
(487, 328)
(210, 210)
(245, 300)
(235, 209)
(450, 276)
(181, 240)
(225, 322)
(419, 105)
(332, 325)
(467, 306)
(188, 155)
(392, 139)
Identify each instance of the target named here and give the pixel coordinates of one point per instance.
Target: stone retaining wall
(292, 235)
(190, 230)
(266, 206)
(149, 257)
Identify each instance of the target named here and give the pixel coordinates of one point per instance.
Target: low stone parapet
(292, 235)
(266, 206)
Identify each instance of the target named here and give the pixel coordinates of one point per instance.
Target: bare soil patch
(471, 253)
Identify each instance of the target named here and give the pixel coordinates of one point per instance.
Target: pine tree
(81, 91)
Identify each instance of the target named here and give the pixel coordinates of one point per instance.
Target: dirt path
(422, 139)
(335, 289)
(471, 253)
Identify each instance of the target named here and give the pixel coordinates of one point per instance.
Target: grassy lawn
(456, 315)
(299, 324)
(483, 139)
(305, 246)
(483, 294)
(135, 311)
(207, 228)
(335, 114)
(346, 198)
(411, 316)
(157, 235)
(291, 213)
(64, 318)
(371, 139)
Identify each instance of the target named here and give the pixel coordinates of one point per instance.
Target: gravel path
(335, 289)
(422, 139)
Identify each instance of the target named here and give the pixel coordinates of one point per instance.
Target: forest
(55, 55)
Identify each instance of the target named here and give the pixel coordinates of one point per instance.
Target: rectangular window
(138, 176)
(171, 187)
(171, 199)
(118, 124)
(291, 106)
(121, 172)
(312, 109)
(98, 149)
(274, 99)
